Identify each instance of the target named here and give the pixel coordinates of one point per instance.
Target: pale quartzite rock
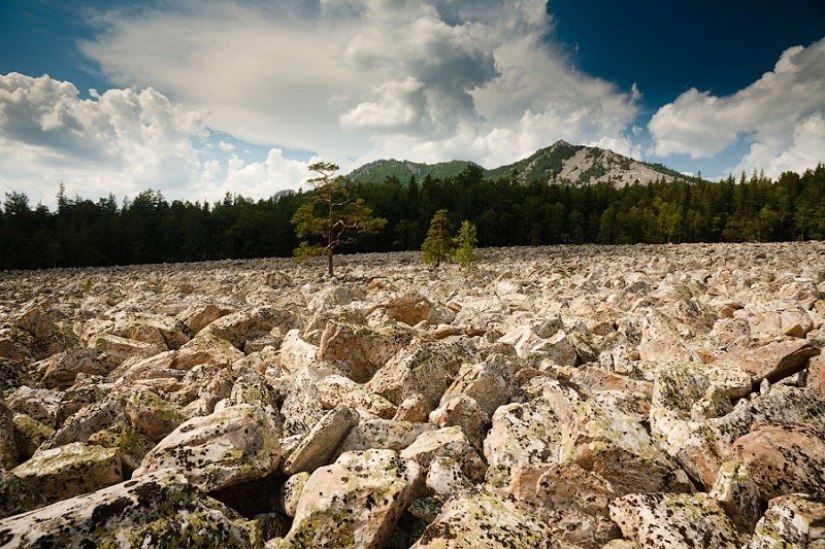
(481, 520)
(355, 502)
(62, 369)
(152, 328)
(234, 445)
(115, 349)
(319, 444)
(449, 441)
(152, 415)
(382, 434)
(335, 389)
(674, 521)
(774, 360)
(158, 510)
(791, 521)
(238, 327)
(29, 434)
(771, 452)
(738, 494)
(71, 470)
(360, 351)
(573, 502)
(425, 368)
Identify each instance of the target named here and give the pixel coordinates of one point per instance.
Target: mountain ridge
(560, 163)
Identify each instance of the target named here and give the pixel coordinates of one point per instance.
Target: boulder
(234, 445)
(114, 349)
(480, 520)
(738, 494)
(450, 442)
(40, 404)
(17, 495)
(71, 470)
(355, 502)
(794, 520)
(320, 443)
(772, 361)
(61, 370)
(152, 415)
(674, 521)
(336, 389)
(422, 367)
(29, 434)
(359, 351)
(152, 328)
(573, 502)
(157, 510)
(783, 459)
(200, 315)
(238, 327)
(382, 434)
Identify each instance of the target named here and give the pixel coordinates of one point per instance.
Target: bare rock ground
(565, 397)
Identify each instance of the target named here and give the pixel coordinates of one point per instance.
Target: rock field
(563, 397)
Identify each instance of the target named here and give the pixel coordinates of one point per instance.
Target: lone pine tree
(333, 216)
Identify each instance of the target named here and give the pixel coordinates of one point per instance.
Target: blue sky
(200, 98)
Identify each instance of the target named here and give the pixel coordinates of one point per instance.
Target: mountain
(558, 163)
(380, 170)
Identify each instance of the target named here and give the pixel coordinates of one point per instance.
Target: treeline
(150, 229)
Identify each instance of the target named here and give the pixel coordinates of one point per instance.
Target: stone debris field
(566, 397)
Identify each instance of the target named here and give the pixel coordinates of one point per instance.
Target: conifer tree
(465, 245)
(333, 214)
(437, 247)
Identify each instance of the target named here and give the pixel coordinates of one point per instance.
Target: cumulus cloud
(780, 114)
(121, 139)
(255, 179)
(365, 79)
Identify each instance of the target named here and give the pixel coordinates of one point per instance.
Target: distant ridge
(560, 163)
(380, 170)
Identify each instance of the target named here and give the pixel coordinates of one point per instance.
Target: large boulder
(157, 510)
(152, 328)
(320, 442)
(243, 325)
(794, 520)
(675, 521)
(355, 502)
(231, 446)
(360, 351)
(480, 520)
(71, 470)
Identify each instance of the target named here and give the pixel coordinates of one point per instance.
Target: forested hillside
(507, 212)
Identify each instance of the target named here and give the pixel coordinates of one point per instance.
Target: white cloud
(780, 114)
(255, 179)
(367, 78)
(122, 140)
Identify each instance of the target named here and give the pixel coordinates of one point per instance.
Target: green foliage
(438, 246)
(465, 246)
(332, 214)
(148, 228)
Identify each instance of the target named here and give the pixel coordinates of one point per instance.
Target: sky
(199, 98)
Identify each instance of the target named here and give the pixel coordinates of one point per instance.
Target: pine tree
(465, 250)
(437, 247)
(332, 214)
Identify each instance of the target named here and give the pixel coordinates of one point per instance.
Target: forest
(150, 229)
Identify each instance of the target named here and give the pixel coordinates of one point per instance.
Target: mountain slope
(560, 163)
(380, 170)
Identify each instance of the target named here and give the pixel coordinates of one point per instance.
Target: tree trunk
(329, 263)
